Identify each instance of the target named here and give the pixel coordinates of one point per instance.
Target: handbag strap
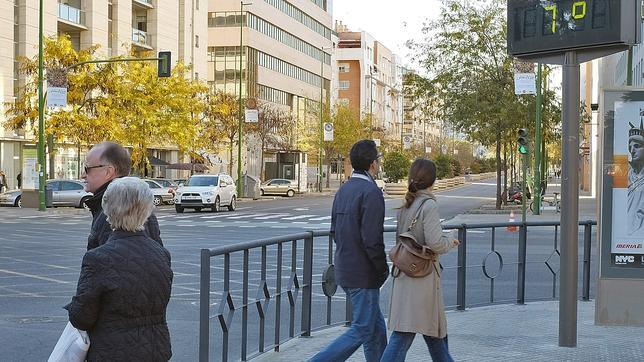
(417, 214)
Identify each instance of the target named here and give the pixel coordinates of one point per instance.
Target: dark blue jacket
(357, 220)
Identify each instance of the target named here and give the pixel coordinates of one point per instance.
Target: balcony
(71, 18)
(141, 39)
(142, 4)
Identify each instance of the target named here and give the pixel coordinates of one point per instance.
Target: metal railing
(71, 14)
(140, 37)
(298, 292)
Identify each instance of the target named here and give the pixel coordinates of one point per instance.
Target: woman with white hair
(124, 286)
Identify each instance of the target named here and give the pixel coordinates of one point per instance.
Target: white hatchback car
(206, 191)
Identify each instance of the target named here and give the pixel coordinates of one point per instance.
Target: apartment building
(423, 130)
(179, 26)
(285, 52)
(369, 79)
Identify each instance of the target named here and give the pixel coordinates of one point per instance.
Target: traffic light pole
(537, 148)
(569, 202)
(524, 196)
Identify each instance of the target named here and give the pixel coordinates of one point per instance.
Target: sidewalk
(503, 333)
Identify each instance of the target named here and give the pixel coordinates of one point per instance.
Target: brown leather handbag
(409, 256)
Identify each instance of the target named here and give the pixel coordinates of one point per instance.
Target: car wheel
(157, 201)
(18, 202)
(217, 205)
(178, 209)
(233, 204)
(82, 202)
(290, 193)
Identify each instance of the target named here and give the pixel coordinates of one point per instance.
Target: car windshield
(202, 181)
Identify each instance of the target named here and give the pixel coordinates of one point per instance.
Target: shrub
(456, 167)
(396, 166)
(443, 167)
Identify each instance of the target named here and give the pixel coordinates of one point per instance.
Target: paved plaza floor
(503, 333)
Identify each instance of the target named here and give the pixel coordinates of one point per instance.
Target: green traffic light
(523, 149)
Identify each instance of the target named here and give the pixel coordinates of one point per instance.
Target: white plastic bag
(72, 346)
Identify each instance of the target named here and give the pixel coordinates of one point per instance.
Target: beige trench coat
(416, 304)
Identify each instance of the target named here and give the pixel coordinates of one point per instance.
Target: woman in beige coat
(416, 304)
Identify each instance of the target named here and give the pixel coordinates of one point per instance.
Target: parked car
(11, 198)
(278, 186)
(166, 183)
(206, 191)
(162, 194)
(180, 181)
(64, 193)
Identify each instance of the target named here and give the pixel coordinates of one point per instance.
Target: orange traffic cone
(512, 228)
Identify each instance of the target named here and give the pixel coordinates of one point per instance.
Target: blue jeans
(367, 329)
(399, 343)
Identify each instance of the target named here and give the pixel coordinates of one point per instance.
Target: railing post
(307, 290)
(462, 268)
(204, 306)
(523, 236)
(587, 235)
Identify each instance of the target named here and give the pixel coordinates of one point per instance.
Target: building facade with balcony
(179, 26)
(285, 48)
(369, 79)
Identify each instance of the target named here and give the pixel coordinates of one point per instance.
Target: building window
(280, 66)
(196, 41)
(344, 85)
(226, 19)
(197, 4)
(344, 68)
(297, 14)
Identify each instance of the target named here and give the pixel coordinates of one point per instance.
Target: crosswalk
(251, 219)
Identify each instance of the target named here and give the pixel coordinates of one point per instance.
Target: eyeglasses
(91, 167)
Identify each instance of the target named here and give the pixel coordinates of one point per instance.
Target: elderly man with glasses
(105, 162)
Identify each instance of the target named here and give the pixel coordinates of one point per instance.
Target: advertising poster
(30, 169)
(627, 169)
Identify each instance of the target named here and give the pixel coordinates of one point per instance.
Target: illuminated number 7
(575, 6)
(553, 8)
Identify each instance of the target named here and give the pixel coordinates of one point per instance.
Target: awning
(154, 161)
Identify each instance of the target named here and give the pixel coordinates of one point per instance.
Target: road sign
(56, 97)
(525, 83)
(537, 27)
(328, 132)
(251, 116)
(407, 142)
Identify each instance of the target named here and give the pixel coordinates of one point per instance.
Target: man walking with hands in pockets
(361, 266)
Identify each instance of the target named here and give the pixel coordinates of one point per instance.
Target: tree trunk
(78, 162)
(498, 167)
(52, 157)
(261, 162)
(230, 159)
(505, 173)
(328, 173)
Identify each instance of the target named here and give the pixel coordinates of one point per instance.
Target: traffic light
(165, 64)
(523, 141)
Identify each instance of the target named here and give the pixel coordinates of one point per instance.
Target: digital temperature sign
(546, 27)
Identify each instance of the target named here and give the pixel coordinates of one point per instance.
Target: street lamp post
(240, 181)
(41, 115)
(321, 118)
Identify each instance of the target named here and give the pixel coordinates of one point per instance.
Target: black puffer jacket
(121, 300)
(101, 230)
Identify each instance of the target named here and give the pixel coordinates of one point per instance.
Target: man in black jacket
(360, 263)
(103, 163)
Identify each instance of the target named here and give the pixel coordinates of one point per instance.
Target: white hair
(127, 203)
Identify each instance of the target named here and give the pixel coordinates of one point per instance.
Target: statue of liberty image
(635, 200)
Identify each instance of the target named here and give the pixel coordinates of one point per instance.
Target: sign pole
(569, 202)
(41, 115)
(537, 148)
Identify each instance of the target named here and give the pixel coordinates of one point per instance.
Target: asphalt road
(40, 261)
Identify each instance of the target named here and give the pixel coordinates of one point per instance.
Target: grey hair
(127, 203)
